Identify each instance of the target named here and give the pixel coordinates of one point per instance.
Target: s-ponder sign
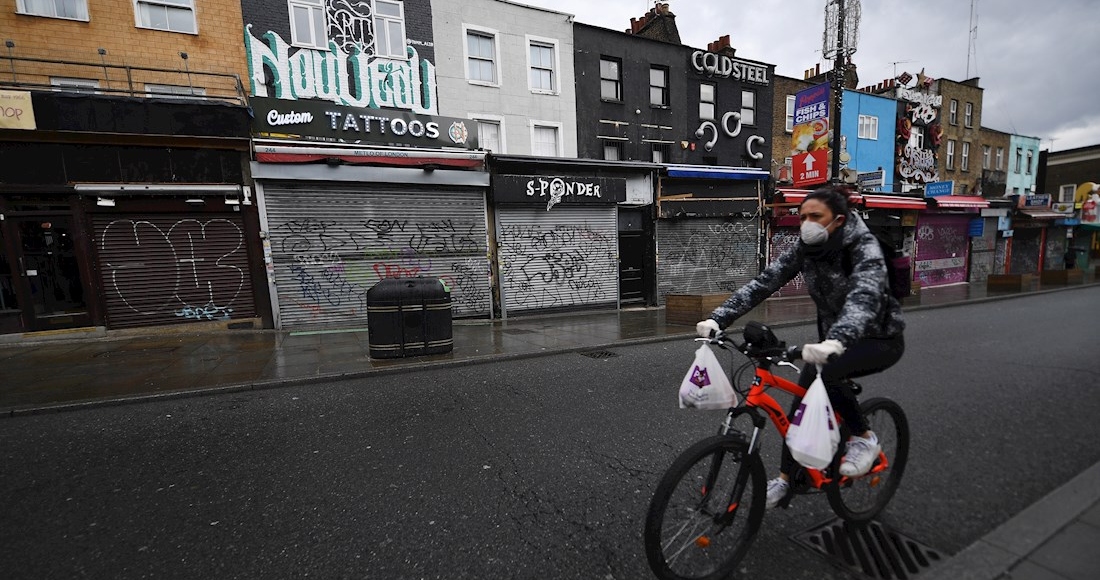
(552, 190)
(16, 110)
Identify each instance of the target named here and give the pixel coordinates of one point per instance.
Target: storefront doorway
(43, 277)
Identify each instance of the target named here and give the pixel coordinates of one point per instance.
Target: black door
(46, 278)
(634, 241)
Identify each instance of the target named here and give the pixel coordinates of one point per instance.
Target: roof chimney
(722, 42)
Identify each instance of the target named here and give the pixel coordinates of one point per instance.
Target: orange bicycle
(710, 503)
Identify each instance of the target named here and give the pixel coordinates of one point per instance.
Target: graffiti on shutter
(706, 255)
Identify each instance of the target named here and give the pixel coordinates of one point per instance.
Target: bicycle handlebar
(777, 354)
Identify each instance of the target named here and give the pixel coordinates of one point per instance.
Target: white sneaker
(860, 455)
(777, 489)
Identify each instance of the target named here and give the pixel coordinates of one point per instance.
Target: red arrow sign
(810, 168)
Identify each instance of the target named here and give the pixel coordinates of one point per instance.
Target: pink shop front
(942, 240)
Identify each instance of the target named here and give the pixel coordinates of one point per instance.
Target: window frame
(1000, 158)
(954, 115)
(916, 137)
(1030, 161)
(487, 118)
(180, 4)
(618, 79)
(949, 158)
(311, 5)
(964, 156)
(751, 109)
(713, 102)
(987, 157)
(75, 85)
(789, 123)
(664, 149)
(613, 145)
(968, 115)
(557, 127)
(493, 36)
(664, 90)
(555, 76)
(375, 16)
(1019, 159)
(162, 91)
(21, 8)
(867, 127)
(1067, 187)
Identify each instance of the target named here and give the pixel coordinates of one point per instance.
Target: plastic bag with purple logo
(813, 435)
(706, 386)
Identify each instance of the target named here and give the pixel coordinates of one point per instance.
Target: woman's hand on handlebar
(822, 352)
(707, 328)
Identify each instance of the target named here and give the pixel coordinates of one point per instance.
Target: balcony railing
(115, 79)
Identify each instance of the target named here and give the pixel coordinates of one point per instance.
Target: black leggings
(868, 356)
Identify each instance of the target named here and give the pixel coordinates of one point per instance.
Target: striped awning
(893, 202)
(1043, 214)
(959, 201)
(716, 172)
(797, 195)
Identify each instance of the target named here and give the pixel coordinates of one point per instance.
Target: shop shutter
(330, 243)
(1054, 252)
(780, 239)
(1024, 254)
(706, 256)
(942, 246)
(176, 269)
(564, 258)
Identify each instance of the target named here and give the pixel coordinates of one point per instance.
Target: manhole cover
(873, 550)
(598, 354)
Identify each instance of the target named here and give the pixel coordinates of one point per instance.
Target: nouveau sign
(554, 190)
(329, 122)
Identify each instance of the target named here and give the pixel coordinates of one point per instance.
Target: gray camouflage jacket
(849, 307)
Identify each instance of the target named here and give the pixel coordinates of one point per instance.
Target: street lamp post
(838, 89)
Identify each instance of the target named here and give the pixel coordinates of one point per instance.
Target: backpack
(897, 267)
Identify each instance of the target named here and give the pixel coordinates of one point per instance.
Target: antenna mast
(972, 47)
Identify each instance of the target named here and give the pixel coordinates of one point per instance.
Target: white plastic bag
(813, 435)
(706, 386)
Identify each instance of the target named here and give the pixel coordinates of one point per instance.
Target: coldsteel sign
(720, 65)
(552, 190)
(329, 122)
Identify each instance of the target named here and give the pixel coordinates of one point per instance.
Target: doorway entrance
(43, 273)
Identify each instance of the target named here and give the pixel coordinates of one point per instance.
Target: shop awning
(1042, 214)
(959, 201)
(361, 155)
(797, 195)
(893, 202)
(715, 172)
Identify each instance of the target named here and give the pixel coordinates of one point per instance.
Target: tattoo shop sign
(329, 122)
(551, 191)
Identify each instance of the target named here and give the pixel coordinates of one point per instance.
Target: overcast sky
(1038, 61)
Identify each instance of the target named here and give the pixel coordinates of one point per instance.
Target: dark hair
(835, 198)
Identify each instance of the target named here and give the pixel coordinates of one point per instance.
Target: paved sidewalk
(1055, 539)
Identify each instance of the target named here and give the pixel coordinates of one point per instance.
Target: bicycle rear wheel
(705, 511)
(860, 499)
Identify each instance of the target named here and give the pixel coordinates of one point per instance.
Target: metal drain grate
(873, 550)
(598, 354)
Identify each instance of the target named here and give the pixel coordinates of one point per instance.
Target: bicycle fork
(725, 517)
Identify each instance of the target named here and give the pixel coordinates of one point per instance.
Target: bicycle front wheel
(706, 511)
(861, 498)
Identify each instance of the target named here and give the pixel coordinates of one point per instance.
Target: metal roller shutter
(706, 256)
(780, 239)
(172, 269)
(332, 243)
(567, 258)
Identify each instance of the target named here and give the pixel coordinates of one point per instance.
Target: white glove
(819, 353)
(706, 328)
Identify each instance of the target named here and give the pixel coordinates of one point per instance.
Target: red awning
(797, 195)
(893, 202)
(1043, 214)
(959, 201)
(407, 161)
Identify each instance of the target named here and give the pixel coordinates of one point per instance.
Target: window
(1019, 158)
(1065, 193)
(75, 85)
(954, 112)
(968, 120)
(658, 86)
(611, 80)
(169, 15)
(951, 154)
(489, 135)
(72, 9)
(541, 54)
(544, 141)
(1030, 159)
(172, 91)
(868, 127)
(308, 28)
(986, 156)
(965, 164)
(1000, 158)
(660, 153)
(481, 56)
(789, 126)
(613, 150)
(706, 101)
(916, 138)
(748, 108)
(389, 29)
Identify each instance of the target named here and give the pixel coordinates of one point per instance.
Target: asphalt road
(539, 468)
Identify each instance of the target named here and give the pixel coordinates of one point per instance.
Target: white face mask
(813, 233)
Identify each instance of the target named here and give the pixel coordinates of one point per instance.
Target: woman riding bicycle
(858, 320)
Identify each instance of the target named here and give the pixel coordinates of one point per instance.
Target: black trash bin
(408, 317)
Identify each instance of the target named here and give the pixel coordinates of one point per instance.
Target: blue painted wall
(1021, 182)
(870, 154)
